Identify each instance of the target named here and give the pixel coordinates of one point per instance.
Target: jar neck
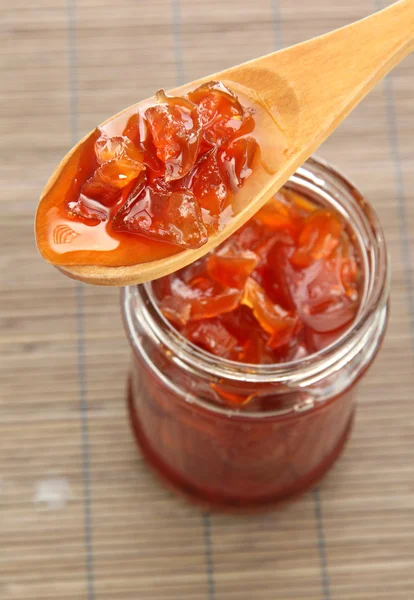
(320, 182)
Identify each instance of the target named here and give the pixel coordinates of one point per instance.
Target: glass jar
(282, 443)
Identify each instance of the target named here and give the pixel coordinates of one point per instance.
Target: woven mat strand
(80, 516)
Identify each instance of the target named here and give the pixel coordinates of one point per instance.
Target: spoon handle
(326, 77)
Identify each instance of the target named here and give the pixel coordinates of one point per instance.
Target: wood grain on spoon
(310, 88)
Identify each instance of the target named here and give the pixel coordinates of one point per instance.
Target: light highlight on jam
(282, 287)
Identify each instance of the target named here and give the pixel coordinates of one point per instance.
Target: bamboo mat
(80, 516)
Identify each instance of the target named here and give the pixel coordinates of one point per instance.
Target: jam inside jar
(256, 453)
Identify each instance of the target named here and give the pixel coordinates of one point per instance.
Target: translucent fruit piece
(116, 148)
(162, 287)
(210, 184)
(319, 237)
(175, 130)
(175, 310)
(155, 165)
(280, 278)
(349, 277)
(207, 307)
(277, 322)
(120, 163)
(207, 298)
(119, 173)
(188, 229)
(348, 266)
(242, 324)
(211, 335)
(137, 131)
(238, 159)
(302, 204)
(257, 352)
(321, 299)
(253, 236)
(173, 216)
(95, 198)
(87, 208)
(97, 189)
(278, 215)
(342, 273)
(231, 268)
(222, 116)
(195, 274)
(131, 130)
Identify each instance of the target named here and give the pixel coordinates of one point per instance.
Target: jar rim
(316, 173)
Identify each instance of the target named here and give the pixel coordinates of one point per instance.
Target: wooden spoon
(311, 87)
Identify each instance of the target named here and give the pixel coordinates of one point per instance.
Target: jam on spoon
(160, 181)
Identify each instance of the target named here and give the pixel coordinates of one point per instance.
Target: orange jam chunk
(211, 184)
(272, 317)
(175, 129)
(318, 238)
(171, 215)
(145, 185)
(284, 286)
(117, 148)
(281, 216)
(222, 116)
(238, 158)
(230, 267)
(204, 298)
(211, 335)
